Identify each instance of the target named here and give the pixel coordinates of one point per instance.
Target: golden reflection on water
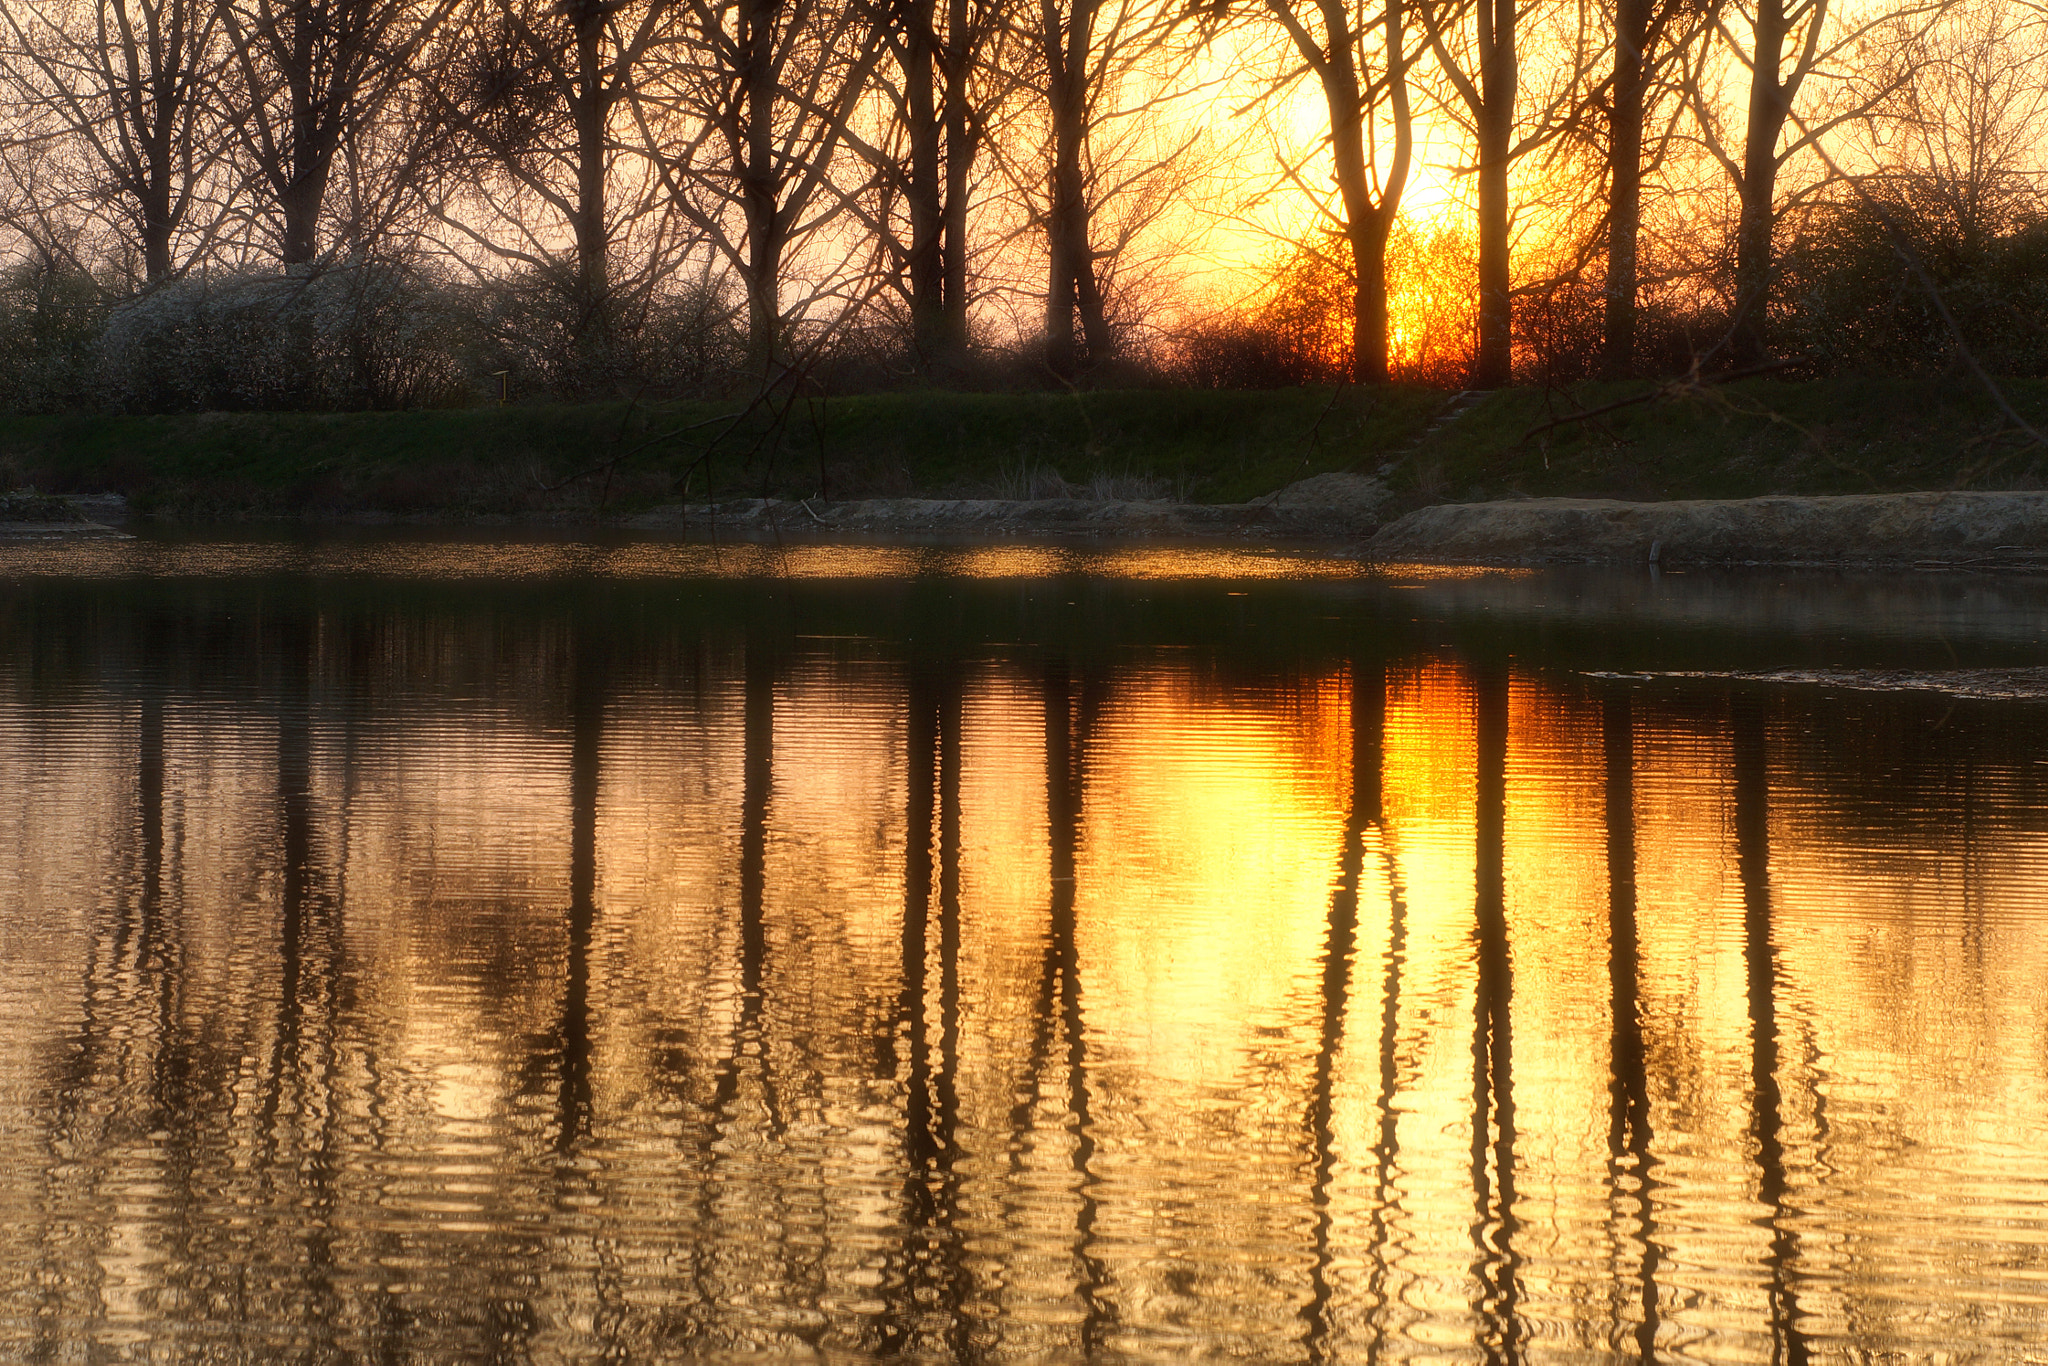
(809, 996)
(455, 560)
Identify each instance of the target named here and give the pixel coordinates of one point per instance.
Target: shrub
(1849, 299)
(26, 505)
(1296, 328)
(681, 341)
(50, 319)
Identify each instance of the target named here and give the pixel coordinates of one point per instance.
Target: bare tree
(1360, 57)
(1111, 169)
(1651, 39)
(916, 52)
(541, 95)
(749, 135)
(121, 105)
(1481, 65)
(944, 78)
(971, 27)
(1066, 37)
(316, 74)
(1959, 146)
(1786, 49)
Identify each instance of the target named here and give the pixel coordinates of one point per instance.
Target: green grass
(1200, 444)
(1206, 446)
(1855, 434)
(1761, 436)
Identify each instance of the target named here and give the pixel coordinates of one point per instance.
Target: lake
(430, 949)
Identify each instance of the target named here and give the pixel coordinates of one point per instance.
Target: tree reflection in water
(1497, 1266)
(1753, 855)
(1069, 711)
(1340, 948)
(1629, 1130)
(551, 973)
(572, 1036)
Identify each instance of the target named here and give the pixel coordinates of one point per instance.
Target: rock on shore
(1895, 528)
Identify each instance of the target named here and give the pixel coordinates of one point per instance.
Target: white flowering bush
(350, 336)
(365, 334)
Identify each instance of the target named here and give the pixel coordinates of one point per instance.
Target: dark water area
(428, 950)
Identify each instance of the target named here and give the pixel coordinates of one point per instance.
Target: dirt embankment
(1893, 528)
(1327, 506)
(1883, 529)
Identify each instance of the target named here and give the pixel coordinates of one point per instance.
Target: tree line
(336, 202)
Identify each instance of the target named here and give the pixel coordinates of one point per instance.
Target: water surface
(426, 950)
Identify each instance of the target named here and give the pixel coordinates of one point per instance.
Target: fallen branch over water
(1686, 386)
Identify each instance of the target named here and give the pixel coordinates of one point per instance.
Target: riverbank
(1834, 472)
(1973, 529)
(1342, 514)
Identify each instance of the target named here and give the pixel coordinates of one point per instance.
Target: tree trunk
(1347, 148)
(1367, 224)
(926, 267)
(1624, 186)
(960, 151)
(156, 217)
(1498, 78)
(1081, 249)
(1061, 354)
(1071, 282)
(1767, 113)
(759, 183)
(1369, 344)
(593, 239)
(1088, 297)
(300, 206)
(153, 127)
(310, 154)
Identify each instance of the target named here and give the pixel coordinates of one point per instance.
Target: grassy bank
(1200, 446)
(1824, 436)
(1861, 434)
